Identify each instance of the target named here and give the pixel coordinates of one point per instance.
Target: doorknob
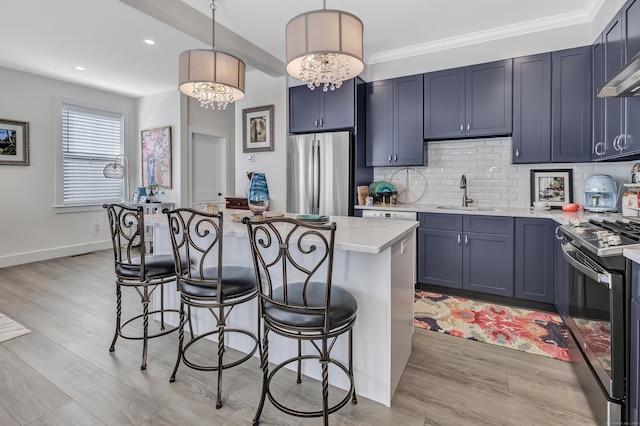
(219, 194)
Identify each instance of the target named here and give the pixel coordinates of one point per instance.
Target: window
(88, 139)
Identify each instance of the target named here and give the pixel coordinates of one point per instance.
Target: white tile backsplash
(492, 181)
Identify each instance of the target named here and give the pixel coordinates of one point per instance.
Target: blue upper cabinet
(532, 109)
(631, 26)
(467, 102)
(394, 122)
(552, 107)
(571, 105)
(317, 111)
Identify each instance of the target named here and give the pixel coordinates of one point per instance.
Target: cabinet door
(634, 370)
(489, 99)
(532, 109)
(379, 125)
(304, 109)
(488, 263)
(571, 106)
(597, 128)
(337, 107)
(408, 121)
(631, 25)
(613, 107)
(444, 106)
(440, 257)
(534, 259)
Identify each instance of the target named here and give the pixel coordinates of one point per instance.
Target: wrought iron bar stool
(138, 270)
(205, 283)
(293, 263)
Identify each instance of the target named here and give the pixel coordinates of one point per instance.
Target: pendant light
(324, 47)
(214, 78)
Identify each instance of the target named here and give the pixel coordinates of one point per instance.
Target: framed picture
(553, 186)
(135, 197)
(257, 129)
(156, 157)
(14, 142)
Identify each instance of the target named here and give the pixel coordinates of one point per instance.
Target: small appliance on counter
(601, 194)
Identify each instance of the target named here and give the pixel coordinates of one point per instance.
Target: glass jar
(258, 198)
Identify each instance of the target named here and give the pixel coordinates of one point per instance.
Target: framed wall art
(156, 157)
(257, 129)
(14, 142)
(555, 187)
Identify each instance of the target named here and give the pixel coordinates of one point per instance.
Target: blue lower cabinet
(634, 371)
(461, 256)
(535, 259)
(560, 280)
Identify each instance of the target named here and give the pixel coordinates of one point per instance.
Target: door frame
(229, 165)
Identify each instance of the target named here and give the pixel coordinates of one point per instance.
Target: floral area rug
(535, 332)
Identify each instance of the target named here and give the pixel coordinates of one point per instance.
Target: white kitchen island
(375, 259)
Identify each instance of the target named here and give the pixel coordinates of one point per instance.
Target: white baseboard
(53, 253)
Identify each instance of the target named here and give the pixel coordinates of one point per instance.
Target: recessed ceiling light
(79, 68)
(149, 41)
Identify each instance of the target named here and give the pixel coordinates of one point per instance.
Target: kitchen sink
(467, 208)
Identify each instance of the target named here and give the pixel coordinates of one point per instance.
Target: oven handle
(588, 270)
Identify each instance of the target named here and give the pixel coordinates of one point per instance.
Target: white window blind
(90, 139)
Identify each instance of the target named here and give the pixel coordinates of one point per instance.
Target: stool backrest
(197, 237)
(126, 224)
(290, 253)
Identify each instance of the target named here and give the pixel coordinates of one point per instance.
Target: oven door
(595, 299)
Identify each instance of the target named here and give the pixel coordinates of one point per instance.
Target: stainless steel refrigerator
(320, 173)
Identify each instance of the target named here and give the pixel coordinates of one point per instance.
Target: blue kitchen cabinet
(630, 144)
(634, 349)
(552, 107)
(394, 122)
(597, 105)
(473, 101)
(317, 110)
(532, 109)
(571, 105)
(467, 252)
(535, 259)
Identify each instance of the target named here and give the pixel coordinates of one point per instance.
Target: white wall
(30, 229)
(262, 89)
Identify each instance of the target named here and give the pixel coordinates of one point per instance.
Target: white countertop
(555, 214)
(353, 233)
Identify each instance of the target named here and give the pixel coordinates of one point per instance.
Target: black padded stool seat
(158, 265)
(205, 284)
(236, 281)
(342, 308)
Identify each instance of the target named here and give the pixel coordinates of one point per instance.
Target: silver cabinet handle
(466, 240)
(517, 153)
(459, 239)
(600, 145)
(468, 127)
(461, 128)
(389, 157)
(322, 122)
(616, 143)
(395, 157)
(316, 122)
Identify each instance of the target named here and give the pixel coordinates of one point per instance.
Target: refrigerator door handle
(315, 164)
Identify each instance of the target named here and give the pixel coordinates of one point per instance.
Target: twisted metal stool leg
(354, 399)
(145, 327)
(325, 382)
(118, 316)
(180, 341)
(264, 364)
(221, 326)
(299, 380)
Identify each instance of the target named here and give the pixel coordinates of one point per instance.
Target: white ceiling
(52, 37)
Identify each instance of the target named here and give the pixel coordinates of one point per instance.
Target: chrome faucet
(463, 184)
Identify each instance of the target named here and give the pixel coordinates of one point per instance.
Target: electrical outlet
(96, 227)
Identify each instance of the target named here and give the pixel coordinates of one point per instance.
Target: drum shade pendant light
(324, 47)
(214, 78)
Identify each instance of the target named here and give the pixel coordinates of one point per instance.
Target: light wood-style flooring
(62, 373)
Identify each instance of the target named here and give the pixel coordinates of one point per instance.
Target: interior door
(208, 168)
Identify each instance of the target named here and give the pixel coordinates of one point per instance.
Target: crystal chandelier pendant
(213, 95)
(328, 69)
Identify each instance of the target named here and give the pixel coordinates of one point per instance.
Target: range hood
(625, 83)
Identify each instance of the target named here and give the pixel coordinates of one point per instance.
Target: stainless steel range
(597, 308)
